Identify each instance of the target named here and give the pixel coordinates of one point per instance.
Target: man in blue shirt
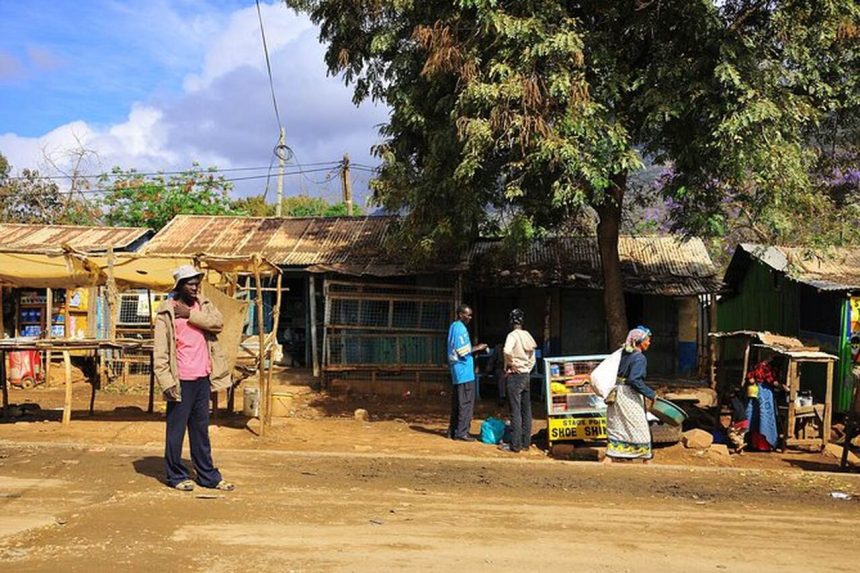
(460, 351)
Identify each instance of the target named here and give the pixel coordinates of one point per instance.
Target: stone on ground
(361, 415)
(697, 439)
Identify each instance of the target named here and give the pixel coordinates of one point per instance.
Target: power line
(269, 66)
(133, 173)
(99, 190)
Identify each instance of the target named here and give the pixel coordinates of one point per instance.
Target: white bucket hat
(185, 272)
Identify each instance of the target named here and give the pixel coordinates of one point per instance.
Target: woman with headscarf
(628, 434)
(519, 354)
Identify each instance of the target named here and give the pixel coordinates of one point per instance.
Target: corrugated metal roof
(827, 269)
(51, 238)
(349, 245)
(654, 265)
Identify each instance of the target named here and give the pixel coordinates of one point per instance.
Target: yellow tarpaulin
(71, 269)
(65, 270)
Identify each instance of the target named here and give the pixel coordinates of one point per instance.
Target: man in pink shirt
(189, 366)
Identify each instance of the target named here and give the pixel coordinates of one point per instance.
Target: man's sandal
(224, 485)
(186, 485)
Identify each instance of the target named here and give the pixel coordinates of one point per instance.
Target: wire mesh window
(134, 309)
(372, 324)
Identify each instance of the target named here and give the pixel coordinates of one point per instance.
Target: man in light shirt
(519, 361)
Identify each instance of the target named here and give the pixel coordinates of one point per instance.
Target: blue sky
(160, 84)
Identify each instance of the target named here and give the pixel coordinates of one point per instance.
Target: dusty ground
(324, 492)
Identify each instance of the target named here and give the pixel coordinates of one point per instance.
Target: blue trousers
(462, 408)
(191, 413)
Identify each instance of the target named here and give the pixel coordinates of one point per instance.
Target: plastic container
(282, 403)
(667, 412)
(251, 402)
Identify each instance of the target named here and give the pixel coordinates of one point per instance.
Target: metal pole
(312, 302)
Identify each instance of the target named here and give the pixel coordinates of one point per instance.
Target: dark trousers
(192, 412)
(462, 407)
(519, 398)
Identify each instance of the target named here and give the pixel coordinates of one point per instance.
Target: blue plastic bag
(492, 430)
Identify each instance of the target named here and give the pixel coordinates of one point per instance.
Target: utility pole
(346, 184)
(282, 146)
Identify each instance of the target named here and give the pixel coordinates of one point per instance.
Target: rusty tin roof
(349, 245)
(835, 269)
(51, 238)
(651, 265)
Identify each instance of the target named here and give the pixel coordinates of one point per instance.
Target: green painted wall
(766, 300)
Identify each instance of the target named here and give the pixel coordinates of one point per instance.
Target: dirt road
(101, 507)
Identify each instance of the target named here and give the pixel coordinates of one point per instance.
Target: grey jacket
(209, 320)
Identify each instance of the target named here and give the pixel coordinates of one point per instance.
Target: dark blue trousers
(519, 397)
(462, 408)
(192, 412)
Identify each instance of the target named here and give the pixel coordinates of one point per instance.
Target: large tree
(521, 112)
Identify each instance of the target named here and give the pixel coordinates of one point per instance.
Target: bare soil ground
(324, 492)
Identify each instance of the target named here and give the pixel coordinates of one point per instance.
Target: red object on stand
(25, 368)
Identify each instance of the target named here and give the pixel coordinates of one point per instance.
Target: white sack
(604, 377)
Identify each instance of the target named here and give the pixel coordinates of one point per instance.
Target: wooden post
(276, 317)
(67, 403)
(67, 315)
(828, 406)
(113, 303)
(17, 313)
(261, 374)
(92, 301)
(792, 395)
(150, 405)
(746, 363)
(346, 183)
(94, 383)
(713, 360)
(5, 383)
(48, 320)
(312, 295)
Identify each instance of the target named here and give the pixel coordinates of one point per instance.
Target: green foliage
(304, 206)
(254, 206)
(299, 206)
(138, 201)
(510, 109)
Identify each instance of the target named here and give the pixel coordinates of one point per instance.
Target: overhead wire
(97, 190)
(269, 66)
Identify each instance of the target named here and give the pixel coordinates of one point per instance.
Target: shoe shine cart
(573, 411)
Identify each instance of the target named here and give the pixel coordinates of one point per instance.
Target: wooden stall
(805, 413)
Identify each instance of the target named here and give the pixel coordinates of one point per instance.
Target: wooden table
(66, 347)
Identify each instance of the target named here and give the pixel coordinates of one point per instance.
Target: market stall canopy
(69, 269)
(156, 272)
(58, 270)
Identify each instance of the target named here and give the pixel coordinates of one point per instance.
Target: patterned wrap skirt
(627, 431)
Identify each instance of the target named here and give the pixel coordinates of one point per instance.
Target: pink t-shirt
(192, 351)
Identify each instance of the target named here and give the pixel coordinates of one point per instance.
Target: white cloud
(224, 115)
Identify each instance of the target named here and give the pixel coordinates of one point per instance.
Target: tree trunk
(609, 211)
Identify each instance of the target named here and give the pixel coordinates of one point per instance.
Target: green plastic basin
(668, 413)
